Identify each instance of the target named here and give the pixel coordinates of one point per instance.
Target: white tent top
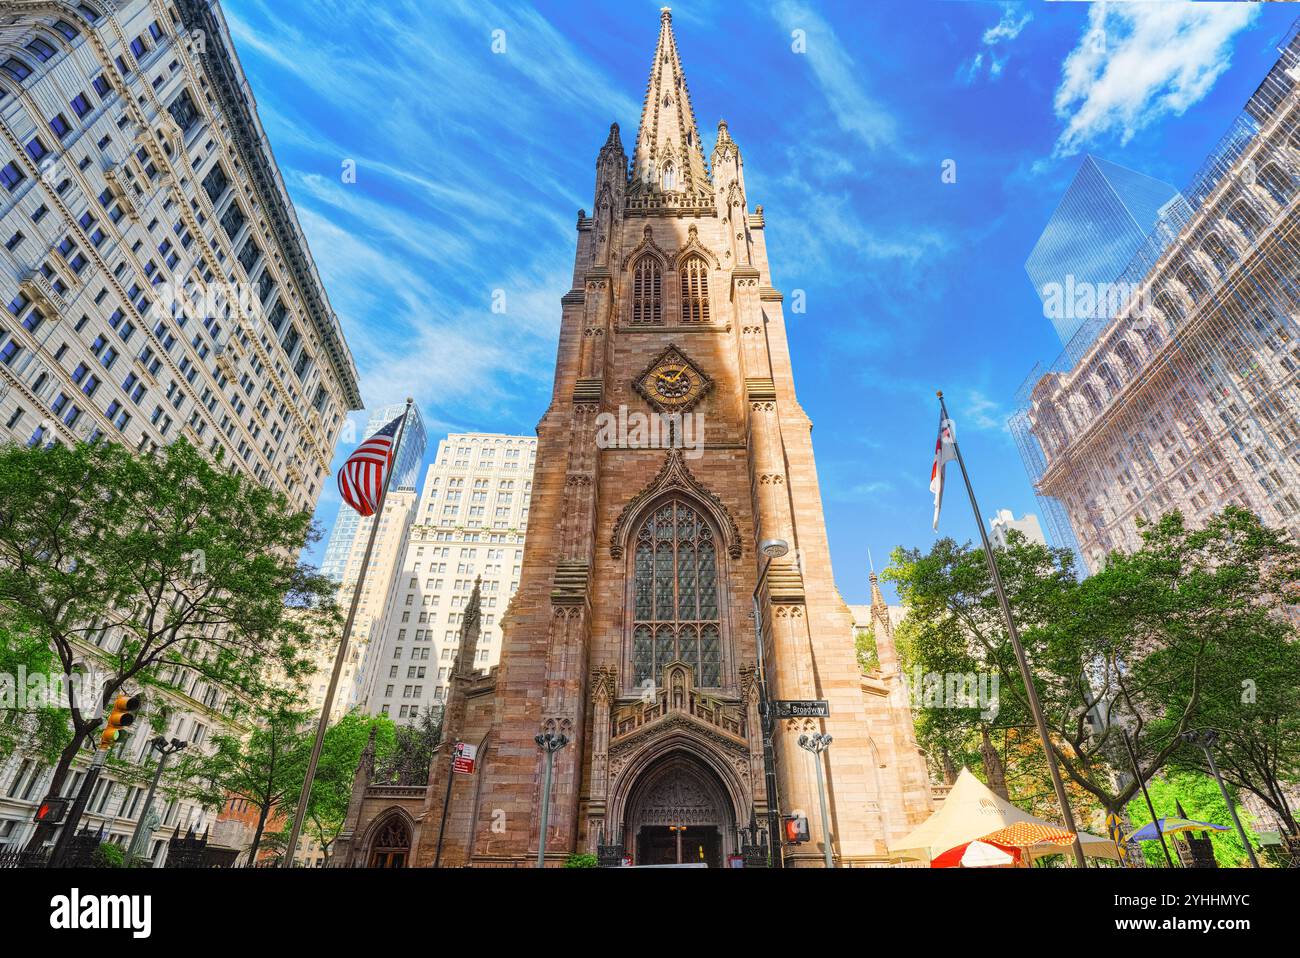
(971, 811)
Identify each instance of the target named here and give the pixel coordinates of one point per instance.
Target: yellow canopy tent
(972, 811)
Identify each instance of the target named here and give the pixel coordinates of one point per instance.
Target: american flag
(361, 480)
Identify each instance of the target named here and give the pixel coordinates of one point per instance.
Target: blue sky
(471, 166)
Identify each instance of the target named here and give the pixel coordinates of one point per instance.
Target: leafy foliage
(155, 569)
(1159, 642)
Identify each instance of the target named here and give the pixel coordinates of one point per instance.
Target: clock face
(672, 383)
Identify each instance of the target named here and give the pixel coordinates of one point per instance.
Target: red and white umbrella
(977, 854)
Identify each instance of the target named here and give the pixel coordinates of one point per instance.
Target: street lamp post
(1206, 738)
(818, 743)
(165, 750)
(549, 743)
(770, 549)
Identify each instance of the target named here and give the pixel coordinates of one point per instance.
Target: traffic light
(51, 811)
(796, 829)
(121, 715)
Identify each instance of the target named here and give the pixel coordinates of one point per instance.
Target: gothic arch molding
(674, 478)
(694, 247)
(648, 247)
(659, 755)
(378, 827)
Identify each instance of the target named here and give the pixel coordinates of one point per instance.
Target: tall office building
(1188, 398)
(406, 466)
(1103, 219)
(1006, 520)
(158, 285)
(469, 525)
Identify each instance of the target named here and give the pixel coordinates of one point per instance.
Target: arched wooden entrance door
(678, 812)
(391, 847)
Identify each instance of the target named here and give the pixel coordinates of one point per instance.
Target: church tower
(632, 633)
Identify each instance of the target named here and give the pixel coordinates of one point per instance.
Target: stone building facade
(157, 286)
(632, 632)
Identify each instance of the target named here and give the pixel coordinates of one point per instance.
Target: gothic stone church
(632, 631)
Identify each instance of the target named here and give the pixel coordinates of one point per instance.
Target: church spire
(668, 156)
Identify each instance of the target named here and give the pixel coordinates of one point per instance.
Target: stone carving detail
(680, 800)
(648, 244)
(675, 477)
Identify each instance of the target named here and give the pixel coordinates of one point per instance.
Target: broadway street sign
(802, 708)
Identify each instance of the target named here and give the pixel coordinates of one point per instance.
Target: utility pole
(1206, 739)
(1031, 691)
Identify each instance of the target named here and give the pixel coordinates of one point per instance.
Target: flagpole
(305, 795)
(1030, 690)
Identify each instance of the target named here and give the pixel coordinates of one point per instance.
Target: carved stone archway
(388, 843)
(679, 811)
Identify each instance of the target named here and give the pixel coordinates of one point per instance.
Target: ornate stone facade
(632, 631)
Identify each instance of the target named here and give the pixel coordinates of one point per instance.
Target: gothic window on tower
(647, 291)
(675, 596)
(695, 290)
(670, 178)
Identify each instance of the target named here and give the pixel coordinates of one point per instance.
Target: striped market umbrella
(1028, 834)
(1150, 832)
(977, 854)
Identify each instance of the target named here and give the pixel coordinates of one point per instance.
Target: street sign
(802, 708)
(463, 758)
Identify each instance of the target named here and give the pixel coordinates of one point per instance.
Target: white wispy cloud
(981, 412)
(1139, 62)
(992, 58)
(839, 77)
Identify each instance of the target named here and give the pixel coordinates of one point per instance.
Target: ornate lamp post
(1206, 738)
(549, 743)
(165, 750)
(753, 843)
(818, 743)
(770, 549)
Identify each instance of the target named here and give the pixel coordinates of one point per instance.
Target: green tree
(152, 569)
(411, 757)
(1251, 698)
(40, 726)
(264, 767)
(1201, 799)
(1137, 643)
(332, 787)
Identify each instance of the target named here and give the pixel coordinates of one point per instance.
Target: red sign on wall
(463, 758)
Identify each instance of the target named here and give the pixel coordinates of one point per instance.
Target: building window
(215, 183)
(695, 290)
(675, 596)
(16, 68)
(11, 175)
(670, 178)
(184, 112)
(647, 291)
(42, 50)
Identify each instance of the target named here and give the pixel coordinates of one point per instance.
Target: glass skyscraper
(410, 457)
(1107, 215)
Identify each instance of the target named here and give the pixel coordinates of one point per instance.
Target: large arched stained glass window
(675, 596)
